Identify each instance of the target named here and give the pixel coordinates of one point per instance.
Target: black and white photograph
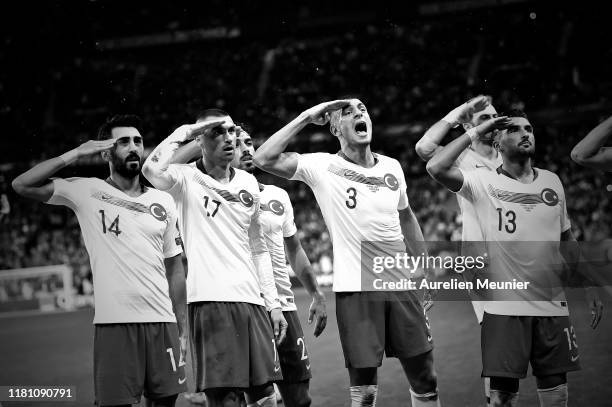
(306, 203)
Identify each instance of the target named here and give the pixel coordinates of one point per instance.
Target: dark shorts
(371, 323)
(232, 345)
(294, 359)
(510, 343)
(130, 359)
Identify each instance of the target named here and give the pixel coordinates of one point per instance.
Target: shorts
(130, 359)
(510, 343)
(294, 359)
(232, 345)
(374, 322)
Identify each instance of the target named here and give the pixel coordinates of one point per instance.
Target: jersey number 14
(113, 227)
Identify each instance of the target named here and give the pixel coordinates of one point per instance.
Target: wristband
(472, 134)
(70, 157)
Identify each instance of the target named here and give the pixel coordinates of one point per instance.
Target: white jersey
(467, 161)
(521, 224)
(127, 239)
(470, 232)
(277, 224)
(358, 204)
(215, 220)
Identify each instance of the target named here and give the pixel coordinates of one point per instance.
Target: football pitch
(56, 349)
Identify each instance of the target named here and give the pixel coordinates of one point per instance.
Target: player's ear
(334, 130)
(467, 126)
(106, 155)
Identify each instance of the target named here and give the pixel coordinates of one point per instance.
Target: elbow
(18, 186)
(420, 151)
(433, 169)
(578, 157)
(260, 161)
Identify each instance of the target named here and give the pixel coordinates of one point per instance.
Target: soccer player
(591, 152)
(230, 281)
(363, 199)
(130, 232)
(480, 154)
(518, 203)
(280, 232)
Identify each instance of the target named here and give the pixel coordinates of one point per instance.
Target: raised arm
(303, 270)
(34, 183)
(429, 144)
(441, 167)
(271, 155)
(155, 168)
(590, 151)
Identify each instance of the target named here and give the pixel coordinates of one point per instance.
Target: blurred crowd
(409, 75)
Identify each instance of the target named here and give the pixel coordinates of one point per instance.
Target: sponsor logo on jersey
(274, 206)
(158, 212)
(373, 183)
(528, 201)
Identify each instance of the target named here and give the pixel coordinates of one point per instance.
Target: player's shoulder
(159, 195)
(275, 192)
(82, 182)
(317, 157)
(246, 180)
(385, 160)
(548, 176)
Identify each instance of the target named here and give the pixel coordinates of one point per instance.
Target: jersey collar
(200, 166)
(344, 156)
(501, 171)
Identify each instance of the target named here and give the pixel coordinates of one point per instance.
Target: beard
(125, 169)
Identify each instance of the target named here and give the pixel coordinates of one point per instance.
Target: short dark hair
(119, 120)
(245, 127)
(515, 113)
(208, 113)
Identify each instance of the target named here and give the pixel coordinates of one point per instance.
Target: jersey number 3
(507, 221)
(351, 203)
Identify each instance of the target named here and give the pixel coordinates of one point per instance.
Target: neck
(485, 150)
(218, 170)
(521, 169)
(359, 154)
(130, 186)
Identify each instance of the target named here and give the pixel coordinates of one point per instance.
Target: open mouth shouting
(361, 128)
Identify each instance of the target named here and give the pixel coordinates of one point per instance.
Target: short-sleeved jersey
(277, 223)
(358, 204)
(521, 225)
(127, 239)
(215, 219)
(467, 161)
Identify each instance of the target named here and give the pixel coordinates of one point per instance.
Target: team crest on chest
(274, 206)
(245, 198)
(528, 201)
(158, 212)
(373, 183)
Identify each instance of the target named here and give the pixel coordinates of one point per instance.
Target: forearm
(270, 156)
(578, 266)
(304, 272)
(186, 153)
(430, 142)
(38, 174)
(156, 165)
(265, 273)
(178, 291)
(445, 159)
(590, 146)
